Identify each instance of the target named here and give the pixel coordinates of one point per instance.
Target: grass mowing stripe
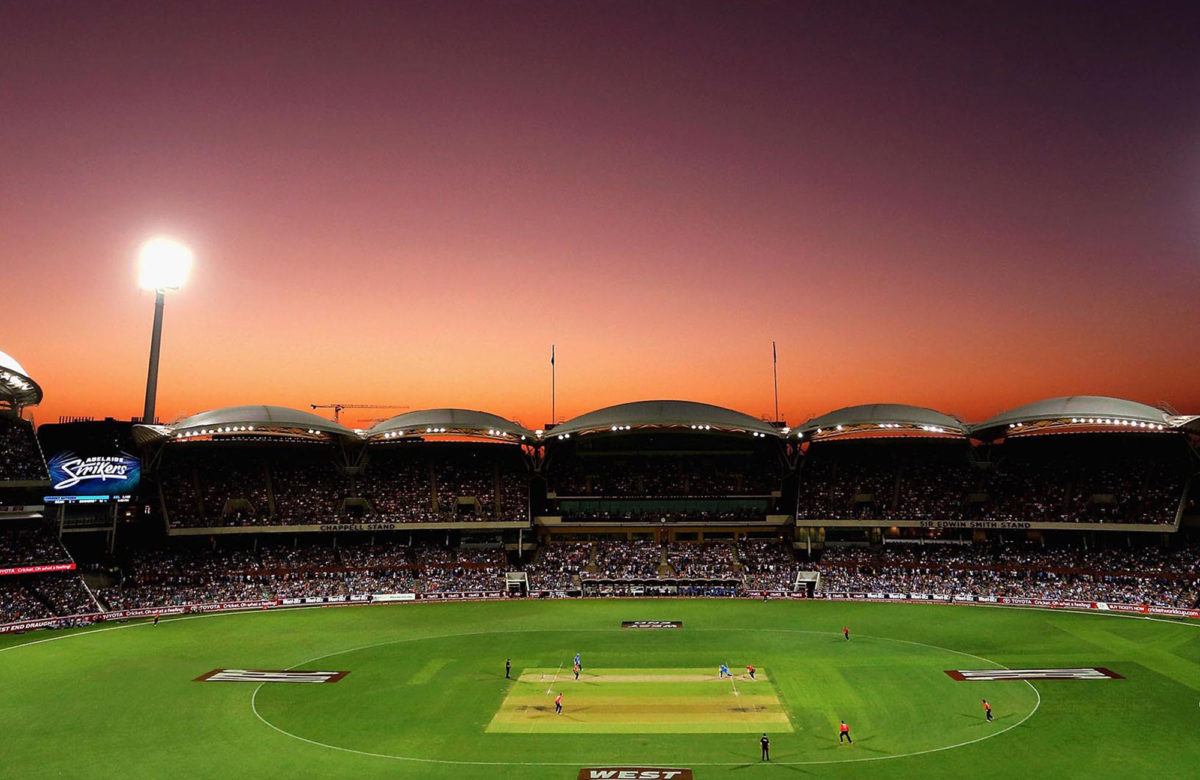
(429, 671)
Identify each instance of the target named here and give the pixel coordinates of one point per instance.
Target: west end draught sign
(78, 478)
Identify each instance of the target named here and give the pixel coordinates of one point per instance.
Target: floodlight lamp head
(163, 264)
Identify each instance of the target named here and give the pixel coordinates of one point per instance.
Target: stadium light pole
(163, 264)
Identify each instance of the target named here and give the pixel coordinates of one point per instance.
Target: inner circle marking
(417, 759)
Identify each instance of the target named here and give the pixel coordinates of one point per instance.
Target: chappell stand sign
(76, 479)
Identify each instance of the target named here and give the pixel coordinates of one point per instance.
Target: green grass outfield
(426, 681)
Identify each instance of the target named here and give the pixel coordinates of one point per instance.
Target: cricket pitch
(644, 701)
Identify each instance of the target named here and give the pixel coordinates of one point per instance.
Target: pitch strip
(992, 675)
(270, 675)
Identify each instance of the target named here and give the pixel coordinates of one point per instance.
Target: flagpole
(553, 389)
(775, 374)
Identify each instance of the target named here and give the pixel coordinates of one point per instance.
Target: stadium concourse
(1078, 501)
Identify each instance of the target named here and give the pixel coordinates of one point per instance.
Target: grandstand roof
(1077, 413)
(883, 420)
(448, 422)
(684, 415)
(17, 388)
(249, 421)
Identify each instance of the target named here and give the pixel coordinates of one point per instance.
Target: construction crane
(337, 408)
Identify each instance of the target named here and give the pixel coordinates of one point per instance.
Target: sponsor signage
(635, 773)
(27, 625)
(270, 675)
(80, 479)
(386, 597)
(343, 527)
(1002, 524)
(652, 624)
(13, 509)
(995, 675)
(1142, 609)
(40, 569)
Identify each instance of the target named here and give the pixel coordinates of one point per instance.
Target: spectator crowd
(30, 546)
(320, 570)
(696, 475)
(1130, 575)
(34, 597)
(1145, 487)
(20, 455)
(324, 569)
(243, 488)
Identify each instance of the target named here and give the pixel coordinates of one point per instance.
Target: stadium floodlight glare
(163, 264)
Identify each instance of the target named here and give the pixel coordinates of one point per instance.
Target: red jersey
(558, 699)
(987, 707)
(844, 728)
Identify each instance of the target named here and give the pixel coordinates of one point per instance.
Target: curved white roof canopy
(17, 389)
(679, 415)
(1077, 413)
(448, 422)
(883, 420)
(255, 421)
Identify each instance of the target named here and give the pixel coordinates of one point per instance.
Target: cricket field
(419, 690)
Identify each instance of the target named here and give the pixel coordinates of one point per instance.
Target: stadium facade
(263, 505)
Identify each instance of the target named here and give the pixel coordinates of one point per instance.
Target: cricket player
(576, 669)
(844, 734)
(750, 671)
(558, 704)
(846, 632)
(766, 748)
(987, 710)
(508, 668)
(578, 662)
(723, 671)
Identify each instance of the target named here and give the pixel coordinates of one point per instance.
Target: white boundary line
(254, 707)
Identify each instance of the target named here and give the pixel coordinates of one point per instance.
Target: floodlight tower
(163, 264)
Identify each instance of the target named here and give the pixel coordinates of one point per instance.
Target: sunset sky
(967, 206)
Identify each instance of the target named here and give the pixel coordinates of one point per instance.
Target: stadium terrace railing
(466, 525)
(997, 525)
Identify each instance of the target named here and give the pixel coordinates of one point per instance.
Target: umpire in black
(766, 748)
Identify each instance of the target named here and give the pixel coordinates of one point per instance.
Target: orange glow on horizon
(410, 204)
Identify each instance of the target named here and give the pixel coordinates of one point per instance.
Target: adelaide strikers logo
(95, 475)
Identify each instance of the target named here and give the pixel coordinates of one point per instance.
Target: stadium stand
(41, 595)
(1142, 575)
(20, 456)
(159, 578)
(30, 546)
(187, 575)
(1070, 480)
(632, 475)
(237, 486)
